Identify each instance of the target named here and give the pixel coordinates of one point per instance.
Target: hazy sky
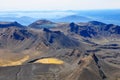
(58, 4)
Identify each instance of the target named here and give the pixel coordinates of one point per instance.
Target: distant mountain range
(23, 20)
(73, 18)
(27, 17)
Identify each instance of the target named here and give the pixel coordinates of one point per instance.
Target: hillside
(60, 51)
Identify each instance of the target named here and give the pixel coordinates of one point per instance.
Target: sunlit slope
(14, 63)
(50, 61)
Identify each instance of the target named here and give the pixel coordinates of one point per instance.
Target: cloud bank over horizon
(58, 4)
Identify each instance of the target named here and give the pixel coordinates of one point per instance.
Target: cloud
(58, 4)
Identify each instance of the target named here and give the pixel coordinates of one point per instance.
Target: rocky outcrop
(59, 40)
(10, 24)
(95, 29)
(39, 24)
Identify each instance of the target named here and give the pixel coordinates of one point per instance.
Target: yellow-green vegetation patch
(50, 61)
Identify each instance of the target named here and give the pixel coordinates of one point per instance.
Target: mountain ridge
(83, 49)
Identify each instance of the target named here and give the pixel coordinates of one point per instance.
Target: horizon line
(61, 10)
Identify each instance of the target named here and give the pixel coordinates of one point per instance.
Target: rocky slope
(64, 51)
